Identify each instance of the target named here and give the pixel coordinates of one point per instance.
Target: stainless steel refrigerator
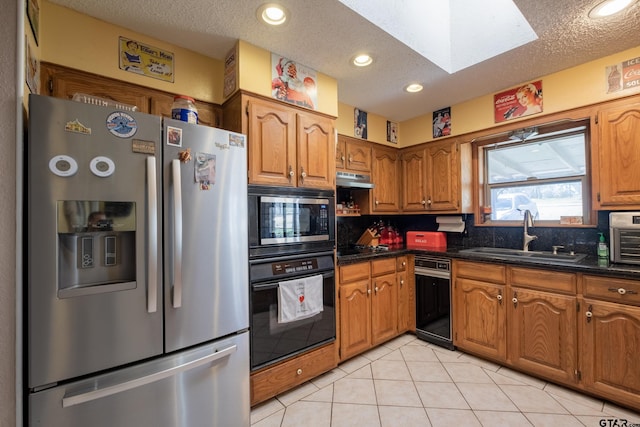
(137, 276)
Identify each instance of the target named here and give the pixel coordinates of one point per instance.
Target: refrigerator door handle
(177, 233)
(77, 399)
(152, 223)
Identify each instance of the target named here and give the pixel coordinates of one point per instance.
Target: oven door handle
(432, 273)
(274, 285)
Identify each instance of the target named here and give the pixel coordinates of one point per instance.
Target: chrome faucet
(528, 222)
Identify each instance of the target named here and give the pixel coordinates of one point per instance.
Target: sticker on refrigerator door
(76, 127)
(122, 124)
(102, 166)
(63, 165)
(236, 140)
(205, 170)
(174, 136)
(144, 147)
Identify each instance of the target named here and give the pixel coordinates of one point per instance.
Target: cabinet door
(384, 308)
(315, 150)
(480, 318)
(358, 156)
(355, 318)
(64, 83)
(385, 194)
(442, 177)
(611, 345)
(542, 333)
(619, 171)
(272, 144)
(341, 152)
(414, 169)
(403, 302)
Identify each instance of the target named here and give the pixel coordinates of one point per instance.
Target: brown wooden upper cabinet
(353, 155)
(436, 177)
(616, 169)
(287, 146)
(63, 82)
(385, 196)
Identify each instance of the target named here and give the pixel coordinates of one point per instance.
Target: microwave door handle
(152, 239)
(177, 234)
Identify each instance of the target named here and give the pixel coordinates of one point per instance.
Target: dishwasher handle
(429, 272)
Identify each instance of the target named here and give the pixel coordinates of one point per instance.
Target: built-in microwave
(285, 220)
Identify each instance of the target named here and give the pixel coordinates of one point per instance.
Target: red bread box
(434, 240)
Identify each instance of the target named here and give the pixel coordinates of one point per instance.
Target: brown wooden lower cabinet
(609, 321)
(376, 302)
(274, 380)
(479, 309)
(577, 330)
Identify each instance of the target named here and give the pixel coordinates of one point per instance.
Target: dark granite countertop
(589, 265)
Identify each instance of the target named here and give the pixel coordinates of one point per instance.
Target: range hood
(353, 180)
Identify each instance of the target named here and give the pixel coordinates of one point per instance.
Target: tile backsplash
(580, 240)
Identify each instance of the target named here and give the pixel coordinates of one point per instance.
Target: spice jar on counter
(184, 108)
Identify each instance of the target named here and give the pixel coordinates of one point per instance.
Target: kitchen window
(543, 171)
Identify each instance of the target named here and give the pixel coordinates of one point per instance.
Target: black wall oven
(273, 340)
(284, 220)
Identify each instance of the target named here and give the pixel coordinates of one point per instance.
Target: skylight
(453, 34)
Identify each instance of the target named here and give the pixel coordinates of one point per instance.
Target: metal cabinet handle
(401, 282)
(376, 289)
(342, 158)
(368, 291)
(350, 159)
(589, 313)
(514, 300)
(429, 201)
(299, 371)
(499, 298)
(424, 202)
(377, 202)
(176, 284)
(152, 236)
(622, 291)
(303, 174)
(291, 172)
(76, 399)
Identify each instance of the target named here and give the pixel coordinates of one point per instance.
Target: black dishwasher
(433, 300)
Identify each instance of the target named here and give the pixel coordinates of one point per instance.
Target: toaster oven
(624, 232)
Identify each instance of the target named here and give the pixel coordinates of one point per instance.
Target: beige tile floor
(408, 382)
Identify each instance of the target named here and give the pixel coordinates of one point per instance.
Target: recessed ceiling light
(272, 14)
(413, 87)
(609, 7)
(362, 60)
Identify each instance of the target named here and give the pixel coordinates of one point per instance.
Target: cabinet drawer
(401, 263)
(272, 381)
(478, 270)
(544, 279)
(383, 266)
(352, 272)
(611, 289)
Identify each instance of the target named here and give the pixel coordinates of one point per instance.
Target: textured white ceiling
(325, 35)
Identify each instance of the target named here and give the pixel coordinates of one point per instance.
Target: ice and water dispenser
(96, 247)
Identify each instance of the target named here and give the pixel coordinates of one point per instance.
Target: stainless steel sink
(524, 255)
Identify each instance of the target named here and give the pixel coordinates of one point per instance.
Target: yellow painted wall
(575, 87)
(78, 41)
(255, 76)
(376, 125)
